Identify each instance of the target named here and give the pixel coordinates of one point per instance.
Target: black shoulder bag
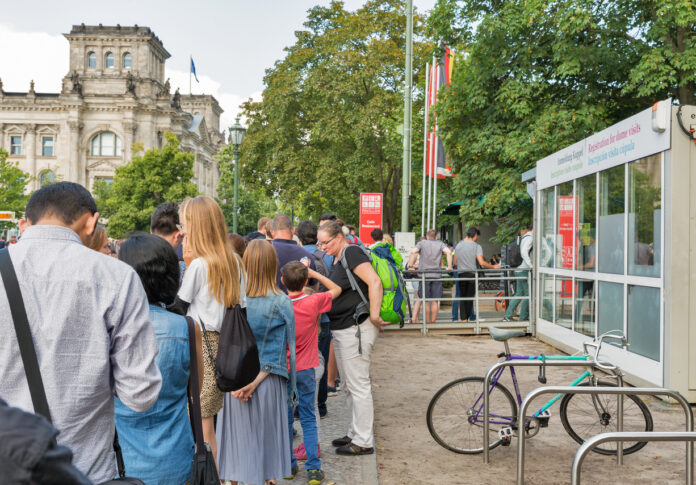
(31, 363)
(203, 469)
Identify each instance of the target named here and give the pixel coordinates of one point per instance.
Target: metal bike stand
(524, 363)
(620, 391)
(598, 439)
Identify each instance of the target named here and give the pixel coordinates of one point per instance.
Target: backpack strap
(351, 278)
(26, 344)
(194, 393)
(298, 298)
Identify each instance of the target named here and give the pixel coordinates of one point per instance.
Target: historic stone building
(114, 95)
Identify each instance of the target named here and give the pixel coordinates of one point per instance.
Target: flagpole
(430, 149)
(425, 145)
(437, 154)
(406, 164)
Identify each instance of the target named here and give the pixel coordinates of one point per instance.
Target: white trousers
(355, 376)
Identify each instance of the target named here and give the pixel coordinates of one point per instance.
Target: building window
(127, 60)
(109, 60)
(565, 213)
(106, 144)
(644, 321)
(47, 177)
(15, 145)
(645, 216)
(585, 247)
(547, 227)
(92, 60)
(46, 146)
(611, 220)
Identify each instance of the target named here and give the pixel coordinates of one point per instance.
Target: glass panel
(547, 228)
(611, 220)
(92, 60)
(127, 60)
(564, 219)
(585, 307)
(15, 145)
(47, 177)
(610, 311)
(547, 295)
(47, 146)
(109, 60)
(644, 321)
(118, 146)
(564, 302)
(644, 216)
(95, 146)
(587, 214)
(107, 144)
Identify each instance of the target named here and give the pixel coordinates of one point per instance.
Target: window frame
(43, 145)
(109, 57)
(129, 57)
(98, 136)
(16, 148)
(91, 55)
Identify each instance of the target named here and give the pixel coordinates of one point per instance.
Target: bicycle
(455, 413)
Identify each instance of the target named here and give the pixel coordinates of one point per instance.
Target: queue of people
(114, 348)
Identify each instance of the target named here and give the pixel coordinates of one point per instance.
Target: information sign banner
(7, 215)
(370, 215)
(404, 242)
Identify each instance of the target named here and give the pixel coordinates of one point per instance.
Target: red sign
(370, 216)
(567, 206)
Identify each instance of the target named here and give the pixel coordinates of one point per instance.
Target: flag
(440, 75)
(193, 70)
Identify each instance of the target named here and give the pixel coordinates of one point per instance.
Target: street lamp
(237, 133)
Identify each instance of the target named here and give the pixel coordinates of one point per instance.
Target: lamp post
(237, 133)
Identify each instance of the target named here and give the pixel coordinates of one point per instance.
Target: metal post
(423, 303)
(476, 302)
(645, 391)
(425, 144)
(236, 189)
(408, 73)
(597, 440)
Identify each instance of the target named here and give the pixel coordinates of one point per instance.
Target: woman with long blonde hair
(213, 282)
(253, 432)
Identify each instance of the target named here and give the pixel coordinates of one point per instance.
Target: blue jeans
(521, 289)
(306, 387)
(455, 303)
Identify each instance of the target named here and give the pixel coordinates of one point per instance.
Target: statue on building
(166, 89)
(176, 100)
(76, 85)
(31, 88)
(130, 83)
(1, 91)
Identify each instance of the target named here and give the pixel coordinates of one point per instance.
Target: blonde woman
(98, 240)
(213, 281)
(253, 426)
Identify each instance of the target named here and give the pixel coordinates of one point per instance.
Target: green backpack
(395, 297)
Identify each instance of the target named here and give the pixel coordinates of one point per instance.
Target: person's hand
(245, 393)
(449, 268)
(378, 322)
(187, 252)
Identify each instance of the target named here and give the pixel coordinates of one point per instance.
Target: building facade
(114, 96)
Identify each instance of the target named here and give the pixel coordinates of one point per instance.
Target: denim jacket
(272, 320)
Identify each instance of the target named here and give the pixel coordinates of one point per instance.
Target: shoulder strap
(298, 298)
(194, 393)
(26, 344)
(351, 278)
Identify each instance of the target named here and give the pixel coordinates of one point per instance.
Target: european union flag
(193, 70)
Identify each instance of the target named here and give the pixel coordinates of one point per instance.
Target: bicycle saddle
(502, 335)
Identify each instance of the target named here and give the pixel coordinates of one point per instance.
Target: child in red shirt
(308, 309)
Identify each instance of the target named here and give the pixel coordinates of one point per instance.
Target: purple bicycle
(455, 413)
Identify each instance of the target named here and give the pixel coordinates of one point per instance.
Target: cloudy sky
(232, 41)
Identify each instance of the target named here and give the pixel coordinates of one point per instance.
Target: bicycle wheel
(455, 415)
(584, 416)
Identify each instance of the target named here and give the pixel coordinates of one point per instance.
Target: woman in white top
(213, 282)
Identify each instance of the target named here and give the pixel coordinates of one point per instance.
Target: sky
(232, 42)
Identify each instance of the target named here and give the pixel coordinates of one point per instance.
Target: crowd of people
(110, 332)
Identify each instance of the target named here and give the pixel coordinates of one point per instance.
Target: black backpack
(319, 263)
(514, 256)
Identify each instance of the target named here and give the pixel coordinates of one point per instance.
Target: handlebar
(596, 344)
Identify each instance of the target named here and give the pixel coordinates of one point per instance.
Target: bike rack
(596, 440)
(620, 391)
(527, 363)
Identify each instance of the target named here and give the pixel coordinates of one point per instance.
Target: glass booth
(615, 245)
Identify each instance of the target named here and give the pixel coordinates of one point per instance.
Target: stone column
(31, 152)
(129, 134)
(75, 173)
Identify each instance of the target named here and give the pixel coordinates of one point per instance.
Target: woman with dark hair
(158, 444)
(239, 243)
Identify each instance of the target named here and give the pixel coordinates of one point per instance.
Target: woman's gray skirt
(253, 437)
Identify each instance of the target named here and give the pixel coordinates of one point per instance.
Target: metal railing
(502, 276)
(620, 392)
(597, 440)
(590, 362)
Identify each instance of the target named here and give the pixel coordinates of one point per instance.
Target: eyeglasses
(323, 244)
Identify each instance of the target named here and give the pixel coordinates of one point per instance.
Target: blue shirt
(272, 321)
(158, 444)
(288, 250)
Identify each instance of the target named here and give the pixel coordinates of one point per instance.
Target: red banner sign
(370, 216)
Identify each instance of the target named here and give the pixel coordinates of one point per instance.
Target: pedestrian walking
(521, 285)
(468, 254)
(430, 254)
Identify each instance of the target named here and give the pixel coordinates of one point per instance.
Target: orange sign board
(7, 215)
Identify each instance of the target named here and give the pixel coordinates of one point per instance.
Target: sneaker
(293, 472)
(341, 441)
(315, 477)
(508, 319)
(354, 450)
(301, 453)
(331, 391)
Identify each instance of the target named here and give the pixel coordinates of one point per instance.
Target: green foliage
(534, 76)
(13, 183)
(253, 203)
(142, 184)
(327, 127)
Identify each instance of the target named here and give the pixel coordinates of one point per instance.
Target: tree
(253, 203)
(13, 183)
(327, 127)
(534, 76)
(142, 184)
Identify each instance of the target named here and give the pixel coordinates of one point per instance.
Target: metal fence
(493, 289)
